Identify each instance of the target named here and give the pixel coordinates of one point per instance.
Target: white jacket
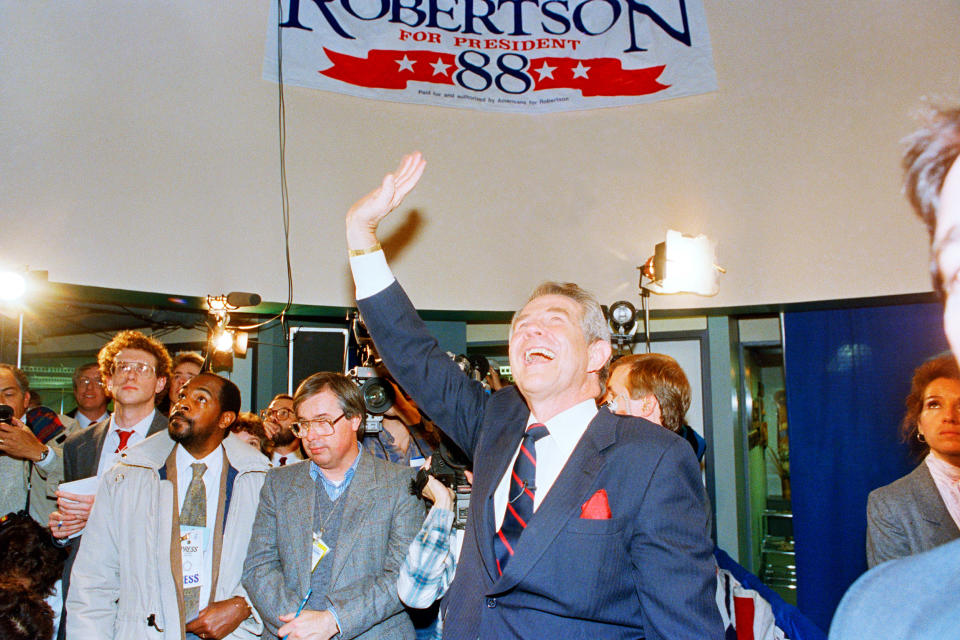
(122, 578)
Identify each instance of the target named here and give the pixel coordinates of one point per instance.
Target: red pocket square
(597, 507)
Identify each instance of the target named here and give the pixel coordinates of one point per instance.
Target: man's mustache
(178, 415)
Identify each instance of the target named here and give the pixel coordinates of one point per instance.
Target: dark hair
(22, 381)
(248, 422)
(23, 614)
(27, 549)
(662, 376)
(931, 152)
(347, 392)
(282, 396)
(940, 367)
(131, 339)
(229, 396)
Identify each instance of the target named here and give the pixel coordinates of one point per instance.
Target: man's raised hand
(367, 212)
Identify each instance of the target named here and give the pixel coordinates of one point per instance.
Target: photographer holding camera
(431, 560)
(404, 437)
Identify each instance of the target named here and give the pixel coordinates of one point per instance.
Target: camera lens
(378, 395)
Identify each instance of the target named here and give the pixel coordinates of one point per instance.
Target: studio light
(623, 317)
(230, 340)
(227, 341)
(680, 264)
(223, 340)
(240, 343)
(622, 320)
(13, 284)
(683, 264)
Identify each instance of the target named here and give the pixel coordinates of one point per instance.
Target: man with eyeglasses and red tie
(277, 419)
(134, 368)
(330, 534)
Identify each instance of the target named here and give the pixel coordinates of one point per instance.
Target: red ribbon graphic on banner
(384, 69)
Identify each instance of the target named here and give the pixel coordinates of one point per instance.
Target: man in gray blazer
(331, 532)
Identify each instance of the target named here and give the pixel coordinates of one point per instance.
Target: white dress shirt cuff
(371, 273)
(48, 461)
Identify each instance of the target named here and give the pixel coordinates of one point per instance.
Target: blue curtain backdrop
(847, 375)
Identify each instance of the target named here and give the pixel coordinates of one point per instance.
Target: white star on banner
(546, 71)
(439, 67)
(407, 64)
(580, 71)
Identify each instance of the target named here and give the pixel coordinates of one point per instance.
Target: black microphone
(242, 299)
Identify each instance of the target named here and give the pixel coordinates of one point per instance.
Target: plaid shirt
(428, 569)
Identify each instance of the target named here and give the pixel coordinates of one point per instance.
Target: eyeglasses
(277, 414)
(89, 382)
(323, 426)
(139, 369)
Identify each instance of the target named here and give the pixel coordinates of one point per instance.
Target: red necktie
(282, 461)
(520, 499)
(124, 437)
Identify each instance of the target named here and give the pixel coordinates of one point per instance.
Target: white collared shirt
(947, 479)
(211, 481)
(566, 428)
(85, 422)
(294, 456)
(108, 455)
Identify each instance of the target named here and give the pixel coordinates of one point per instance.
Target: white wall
(139, 151)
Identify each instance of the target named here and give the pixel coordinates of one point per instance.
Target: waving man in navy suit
(583, 524)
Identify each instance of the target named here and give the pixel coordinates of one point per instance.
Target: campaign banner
(522, 56)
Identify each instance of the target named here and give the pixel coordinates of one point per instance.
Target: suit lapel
(298, 507)
(159, 423)
(928, 500)
(359, 497)
(89, 454)
(564, 499)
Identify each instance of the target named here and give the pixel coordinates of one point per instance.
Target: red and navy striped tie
(520, 499)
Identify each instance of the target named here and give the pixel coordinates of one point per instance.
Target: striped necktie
(520, 499)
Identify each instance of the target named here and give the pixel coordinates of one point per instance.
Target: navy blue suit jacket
(646, 572)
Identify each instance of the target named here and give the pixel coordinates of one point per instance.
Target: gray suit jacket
(912, 598)
(907, 516)
(380, 519)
